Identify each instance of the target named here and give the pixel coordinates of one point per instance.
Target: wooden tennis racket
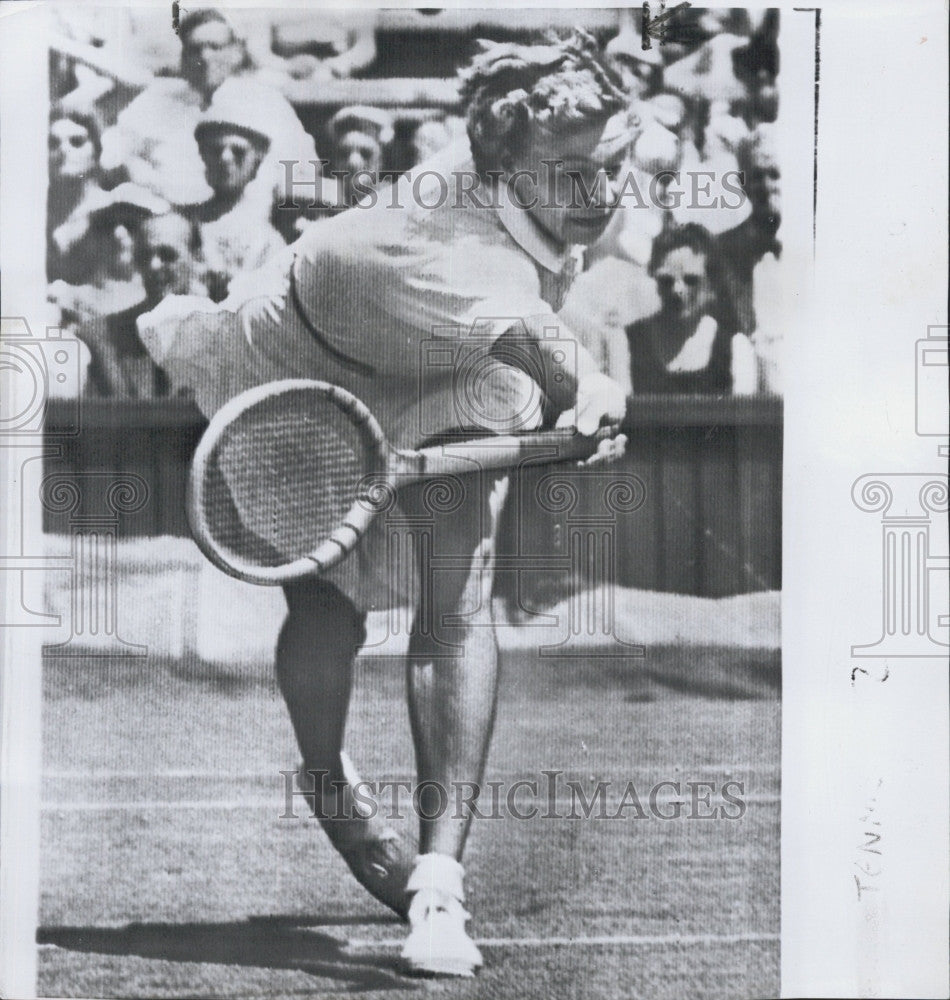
(289, 475)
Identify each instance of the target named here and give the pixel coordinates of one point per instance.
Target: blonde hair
(508, 87)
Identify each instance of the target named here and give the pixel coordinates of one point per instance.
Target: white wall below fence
(169, 599)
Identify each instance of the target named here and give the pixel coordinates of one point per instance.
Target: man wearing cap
(236, 233)
(153, 138)
(108, 281)
(398, 303)
(167, 255)
(360, 135)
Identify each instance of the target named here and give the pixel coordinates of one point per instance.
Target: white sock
(439, 872)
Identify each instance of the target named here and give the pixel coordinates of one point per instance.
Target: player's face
(572, 181)
(683, 285)
(231, 160)
(164, 257)
(209, 55)
(71, 150)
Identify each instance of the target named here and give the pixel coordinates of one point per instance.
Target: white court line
(145, 805)
(591, 942)
(606, 940)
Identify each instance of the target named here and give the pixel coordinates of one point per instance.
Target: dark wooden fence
(710, 520)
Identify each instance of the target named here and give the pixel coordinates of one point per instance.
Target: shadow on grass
(265, 942)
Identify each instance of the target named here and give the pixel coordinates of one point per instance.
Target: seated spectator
(360, 135)
(640, 69)
(710, 142)
(695, 27)
(641, 215)
(236, 234)
(136, 38)
(750, 260)
(167, 256)
(153, 138)
(692, 344)
(98, 273)
(740, 249)
(756, 65)
(75, 191)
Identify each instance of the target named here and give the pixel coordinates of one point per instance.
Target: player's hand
(608, 450)
(600, 400)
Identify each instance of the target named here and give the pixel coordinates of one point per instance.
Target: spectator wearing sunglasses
(153, 139)
(89, 262)
(233, 139)
(692, 344)
(75, 192)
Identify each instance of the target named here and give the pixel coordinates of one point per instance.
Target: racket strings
(283, 476)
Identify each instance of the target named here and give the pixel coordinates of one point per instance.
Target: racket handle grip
(559, 445)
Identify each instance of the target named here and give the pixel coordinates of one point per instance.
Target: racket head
(283, 480)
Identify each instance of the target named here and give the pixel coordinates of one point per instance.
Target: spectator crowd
(176, 162)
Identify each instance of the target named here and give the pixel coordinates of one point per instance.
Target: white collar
(528, 234)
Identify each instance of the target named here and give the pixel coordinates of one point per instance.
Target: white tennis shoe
(438, 944)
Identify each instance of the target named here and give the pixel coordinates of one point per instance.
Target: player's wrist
(562, 381)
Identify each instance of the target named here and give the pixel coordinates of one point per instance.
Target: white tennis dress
(391, 302)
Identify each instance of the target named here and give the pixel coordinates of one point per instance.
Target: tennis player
(359, 300)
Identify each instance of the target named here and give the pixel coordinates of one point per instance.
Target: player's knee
(319, 607)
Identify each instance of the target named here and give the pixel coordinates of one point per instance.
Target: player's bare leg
(452, 699)
(315, 652)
